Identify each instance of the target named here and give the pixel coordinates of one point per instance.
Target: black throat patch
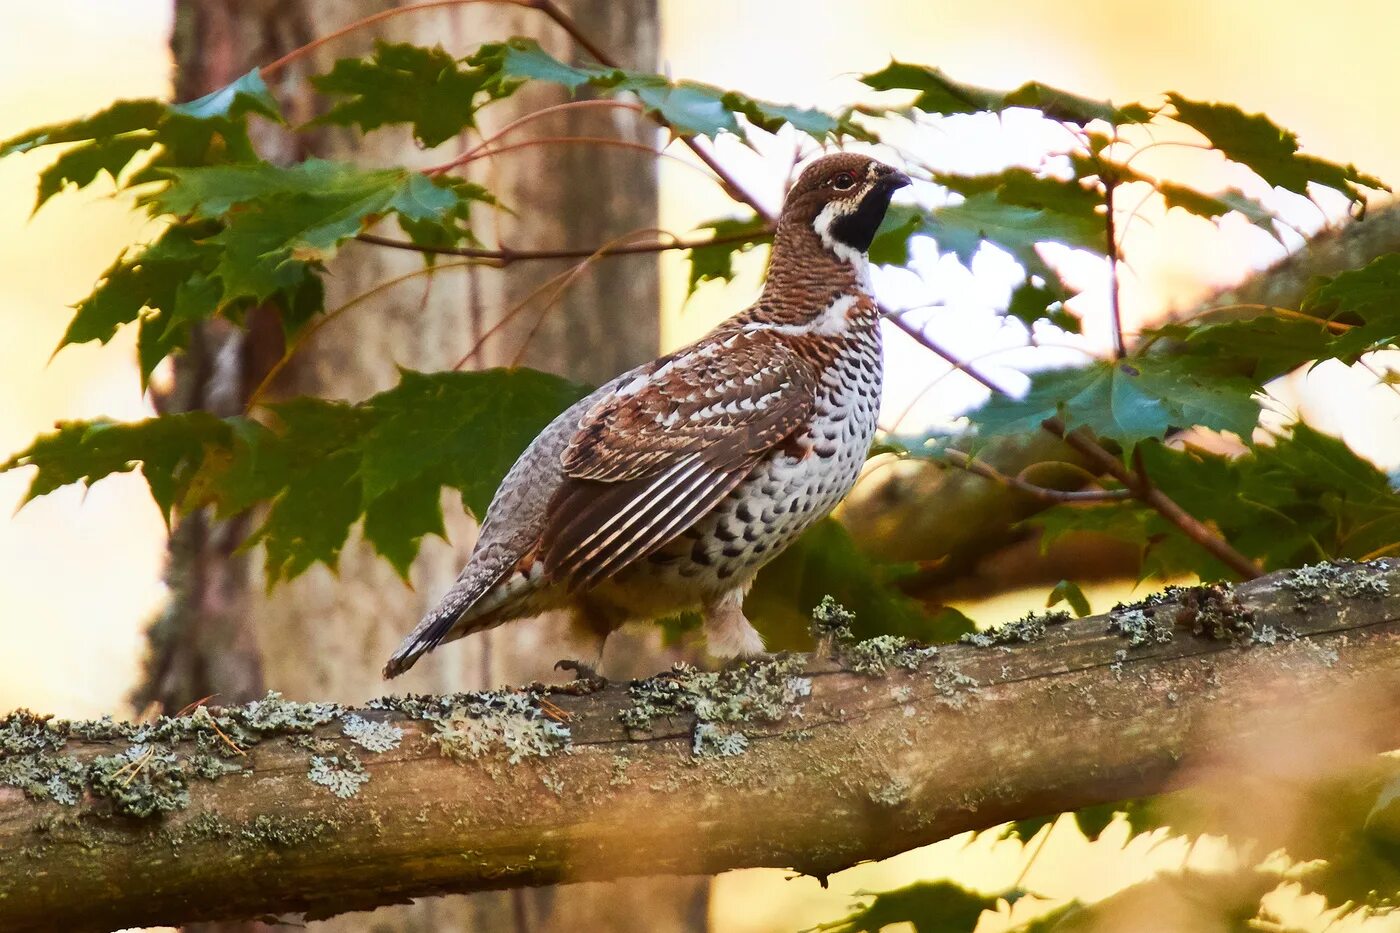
(857, 229)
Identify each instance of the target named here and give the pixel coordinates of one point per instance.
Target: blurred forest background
(82, 572)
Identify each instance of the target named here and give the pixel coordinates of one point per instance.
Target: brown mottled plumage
(671, 485)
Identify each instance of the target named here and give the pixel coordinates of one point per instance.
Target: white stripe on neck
(843, 251)
(832, 321)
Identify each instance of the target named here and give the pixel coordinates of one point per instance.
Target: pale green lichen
(954, 688)
(876, 656)
(341, 774)
(831, 620)
(509, 723)
(1349, 579)
(751, 692)
(1030, 627)
(1140, 626)
(754, 691)
(142, 781)
(273, 714)
(711, 741)
(370, 735)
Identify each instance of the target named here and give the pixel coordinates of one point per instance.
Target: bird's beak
(893, 181)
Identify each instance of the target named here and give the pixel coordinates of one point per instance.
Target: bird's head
(843, 197)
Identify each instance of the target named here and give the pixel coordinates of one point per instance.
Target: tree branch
(802, 763)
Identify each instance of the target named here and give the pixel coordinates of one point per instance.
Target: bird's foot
(582, 671)
(739, 661)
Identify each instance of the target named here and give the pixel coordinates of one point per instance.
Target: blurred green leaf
(1269, 150)
(323, 465)
(715, 261)
(826, 562)
(1067, 591)
(939, 94)
(928, 906)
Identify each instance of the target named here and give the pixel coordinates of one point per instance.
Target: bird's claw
(581, 670)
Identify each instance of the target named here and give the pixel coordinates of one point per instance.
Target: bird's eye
(843, 181)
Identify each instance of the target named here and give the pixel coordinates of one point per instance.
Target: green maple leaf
(153, 278)
(961, 229)
(520, 59)
(690, 108)
(1022, 187)
(940, 94)
(168, 451)
(288, 218)
(1215, 206)
(80, 166)
(320, 466)
(402, 83)
(1368, 299)
(1128, 401)
(212, 128)
(1270, 151)
(1262, 347)
(463, 429)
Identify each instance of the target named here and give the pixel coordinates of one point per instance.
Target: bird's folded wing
(651, 459)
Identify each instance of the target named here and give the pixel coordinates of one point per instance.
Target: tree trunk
(327, 635)
(1278, 684)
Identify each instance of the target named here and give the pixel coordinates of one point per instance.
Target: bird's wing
(653, 457)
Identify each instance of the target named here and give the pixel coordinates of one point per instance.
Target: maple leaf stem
(1146, 492)
(1115, 305)
(985, 470)
(504, 256)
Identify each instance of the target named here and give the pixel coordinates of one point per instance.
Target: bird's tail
(446, 622)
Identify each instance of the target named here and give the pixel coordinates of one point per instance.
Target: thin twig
(570, 277)
(505, 255)
(533, 115)
(736, 190)
(256, 397)
(985, 470)
(1157, 500)
(1108, 463)
(268, 70)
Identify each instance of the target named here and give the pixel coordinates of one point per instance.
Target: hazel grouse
(670, 486)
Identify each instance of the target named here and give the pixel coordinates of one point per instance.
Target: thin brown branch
(1108, 463)
(985, 470)
(731, 184)
(1148, 494)
(530, 117)
(272, 68)
(333, 809)
(570, 278)
(505, 255)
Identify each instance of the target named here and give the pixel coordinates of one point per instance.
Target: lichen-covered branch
(810, 762)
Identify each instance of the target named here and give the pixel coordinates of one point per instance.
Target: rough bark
(971, 541)
(808, 763)
(326, 635)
